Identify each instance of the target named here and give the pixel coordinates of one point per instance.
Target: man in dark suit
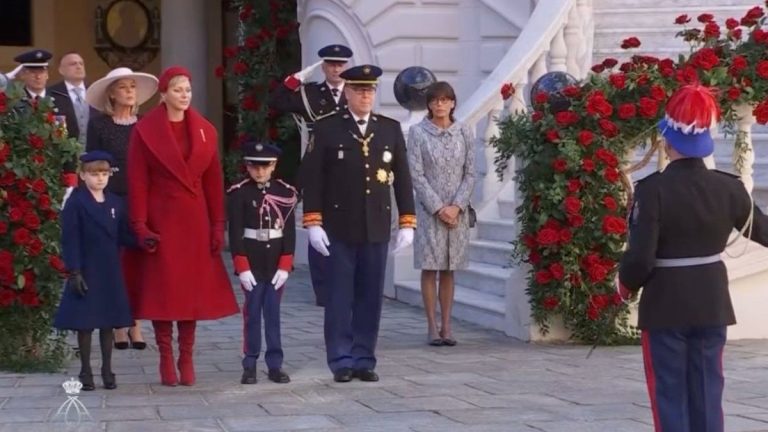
(69, 96)
(680, 223)
(309, 102)
(357, 160)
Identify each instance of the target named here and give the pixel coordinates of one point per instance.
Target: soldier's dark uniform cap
(335, 53)
(259, 153)
(362, 75)
(34, 59)
(97, 155)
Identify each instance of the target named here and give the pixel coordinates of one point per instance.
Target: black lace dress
(106, 135)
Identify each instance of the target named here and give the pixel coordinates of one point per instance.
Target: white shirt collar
(71, 87)
(41, 94)
(366, 117)
(331, 86)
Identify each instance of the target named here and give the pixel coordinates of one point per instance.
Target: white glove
(404, 239)
(247, 281)
(305, 73)
(319, 240)
(67, 193)
(279, 280)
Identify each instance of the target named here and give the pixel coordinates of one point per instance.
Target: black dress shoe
(279, 376)
(249, 376)
(86, 379)
(366, 375)
(108, 379)
(122, 345)
(343, 375)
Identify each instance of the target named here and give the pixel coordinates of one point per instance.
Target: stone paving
(487, 383)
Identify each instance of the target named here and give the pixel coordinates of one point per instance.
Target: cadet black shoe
(343, 375)
(366, 375)
(249, 376)
(278, 376)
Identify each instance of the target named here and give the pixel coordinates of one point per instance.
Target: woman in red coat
(176, 200)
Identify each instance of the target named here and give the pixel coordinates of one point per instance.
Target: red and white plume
(692, 109)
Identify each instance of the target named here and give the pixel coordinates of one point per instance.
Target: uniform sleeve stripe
(312, 219)
(407, 221)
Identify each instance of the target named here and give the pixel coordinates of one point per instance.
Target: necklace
(125, 121)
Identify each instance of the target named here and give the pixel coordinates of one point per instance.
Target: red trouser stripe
(650, 379)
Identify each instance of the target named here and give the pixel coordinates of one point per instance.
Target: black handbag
(472, 216)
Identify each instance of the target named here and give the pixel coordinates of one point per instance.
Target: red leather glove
(217, 239)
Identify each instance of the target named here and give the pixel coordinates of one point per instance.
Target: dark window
(16, 23)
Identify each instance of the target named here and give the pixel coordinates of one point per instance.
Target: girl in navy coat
(93, 228)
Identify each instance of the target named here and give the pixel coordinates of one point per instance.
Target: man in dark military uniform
(358, 158)
(262, 237)
(309, 102)
(681, 221)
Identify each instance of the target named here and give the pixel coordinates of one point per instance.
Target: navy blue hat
(362, 75)
(260, 153)
(335, 53)
(97, 155)
(34, 59)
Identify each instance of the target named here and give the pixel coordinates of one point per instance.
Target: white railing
(557, 37)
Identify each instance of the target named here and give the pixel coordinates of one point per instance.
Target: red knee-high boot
(186, 352)
(164, 339)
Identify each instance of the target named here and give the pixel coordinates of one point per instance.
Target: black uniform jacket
(685, 211)
(245, 201)
(319, 97)
(347, 192)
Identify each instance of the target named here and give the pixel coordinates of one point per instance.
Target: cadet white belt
(262, 234)
(687, 262)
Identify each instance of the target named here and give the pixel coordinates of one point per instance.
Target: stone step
(483, 277)
(612, 17)
(630, 5)
(507, 208)
(502, 230)
(649, 37)
(469, 305)
(491, 252)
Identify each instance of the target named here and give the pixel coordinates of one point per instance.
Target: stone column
(184, 42)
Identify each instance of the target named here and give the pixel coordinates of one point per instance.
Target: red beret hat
(168, 74)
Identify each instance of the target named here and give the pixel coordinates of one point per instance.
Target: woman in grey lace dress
(441, 158)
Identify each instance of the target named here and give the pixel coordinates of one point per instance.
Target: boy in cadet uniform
(94, 226)
(262, 237)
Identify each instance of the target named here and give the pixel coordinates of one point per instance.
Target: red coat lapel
(155, 130)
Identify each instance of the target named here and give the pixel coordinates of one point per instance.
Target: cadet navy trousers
(354, 292)
(684, 373)
(262, 299)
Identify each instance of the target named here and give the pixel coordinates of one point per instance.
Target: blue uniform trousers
(684, 373)
(318, 272)
(353, 309)
(262, 299)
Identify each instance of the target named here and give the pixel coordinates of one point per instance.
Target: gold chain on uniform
(364, 142)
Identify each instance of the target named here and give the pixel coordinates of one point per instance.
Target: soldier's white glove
(279, 280)
(319, 240)
(305, 73)
(404, 239)
(67, 193)
(247, 281)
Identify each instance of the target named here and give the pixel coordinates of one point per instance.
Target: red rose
(610, 203)
(240, 68)
(44, 202)
(529, 241)
(734, 93)
(571, 91)
(631, 42)
(597, 273)
(38, 159)
(643, 79)
(7, 296)
(609, 128)
(552, 135)
(761, 112)
(648, 107)
(712, 30)
(586, 137)
(565, 236)
(566, 118)
(246, 12)
(755, 13)
(572, 205)
(550, 302)
(559, 165)
(57, 264)
(607, 157)
(705, 18)
(614, 225)
(15, 214)
(735, 34)
(588, 165)
(534, 257)
(682, 19)
(547, 237)
(29, 298)
(251, 42)
(762, 68)
(3, 227)
(597, 105)
(611, 175)
(667, 67)
(39, 186)
(31, 221)
(537, 116)
(556, 270)
(598, 68)
(658, 93)
(705, 58)
(731, 23)
(575, 221)
(610, 62)
(6, 259)
(760, 36)
(34, 246)
(573, 185)
(543, 277)
(552, 223)
(618, 80)
(541, 98)
(507, 91)
(627, 111)
(20, 236)
(5, 149)
(35, 141)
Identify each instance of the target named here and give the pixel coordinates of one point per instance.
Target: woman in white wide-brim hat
(118, 96)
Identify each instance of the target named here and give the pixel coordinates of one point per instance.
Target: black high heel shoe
(86, 379)
(123, 345)
(108, 379)
(137, 345)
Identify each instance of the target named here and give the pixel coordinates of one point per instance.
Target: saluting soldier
(358, 158)
(262, 237)
(309, 102)
(680, 224)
